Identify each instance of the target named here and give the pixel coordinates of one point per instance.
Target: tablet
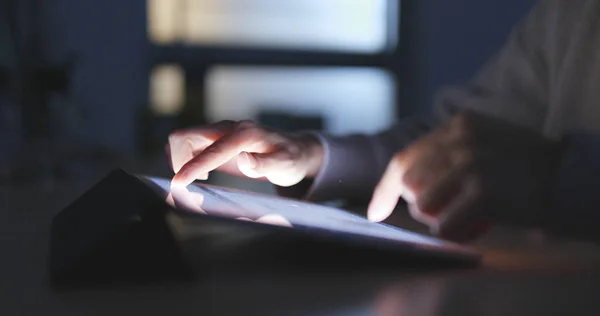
(271, 212)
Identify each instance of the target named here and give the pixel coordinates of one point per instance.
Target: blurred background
(87, 85)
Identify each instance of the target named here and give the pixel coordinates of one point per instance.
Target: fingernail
(203, 177)
(252, 163)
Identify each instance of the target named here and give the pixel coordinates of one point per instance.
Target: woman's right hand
(245, 149)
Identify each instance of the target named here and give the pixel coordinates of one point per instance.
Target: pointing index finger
(219, 153)
(389, 189)
(183, 144)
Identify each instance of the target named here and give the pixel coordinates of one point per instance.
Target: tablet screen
(270, 210)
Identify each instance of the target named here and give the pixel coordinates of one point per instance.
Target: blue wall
(447, 41)
(107, 41)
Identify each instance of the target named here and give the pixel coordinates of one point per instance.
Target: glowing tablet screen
(222, 202)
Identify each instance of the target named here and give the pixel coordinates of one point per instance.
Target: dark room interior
(90, 87)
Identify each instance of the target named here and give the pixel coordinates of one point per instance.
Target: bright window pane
(163, 27)
(348, 99)
(344, 25)
(167, 90)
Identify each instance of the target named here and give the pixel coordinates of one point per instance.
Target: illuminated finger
(387, 193)
(185, 144)
(220, 152)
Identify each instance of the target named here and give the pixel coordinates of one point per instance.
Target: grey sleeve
(353, 165)
(512, 86)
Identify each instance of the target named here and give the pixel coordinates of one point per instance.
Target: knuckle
(189, 133)
(171, 139)
(397, 161)
(177, 134)
(248, 128)
(179, 142)
(228, 122)
(225, 125)
(245, 124)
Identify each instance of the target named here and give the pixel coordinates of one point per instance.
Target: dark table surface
(521, 274)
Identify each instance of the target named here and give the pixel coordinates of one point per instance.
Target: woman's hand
(470, 172)
(245, 149)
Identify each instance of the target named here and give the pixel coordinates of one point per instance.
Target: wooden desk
(518, 278)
